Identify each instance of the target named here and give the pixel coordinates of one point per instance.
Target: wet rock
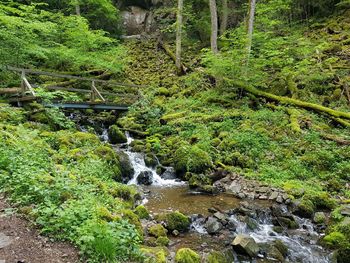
(213, 225)
(279, 199)
(245, 245)
(319, 218)
(304, 208)
(220, 216)
(218, 174)
(115, 135)
(174, 221)
(345, 210)
(273, 196)
(281, 247)
(251, 223)
(271, 252)
(126, 168)
(145, 178)
(285, 222)
(151, 160)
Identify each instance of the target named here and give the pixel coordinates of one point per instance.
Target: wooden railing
(94, 92)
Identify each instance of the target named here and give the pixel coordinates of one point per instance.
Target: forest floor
(21, 243)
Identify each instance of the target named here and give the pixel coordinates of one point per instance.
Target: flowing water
(171, 194)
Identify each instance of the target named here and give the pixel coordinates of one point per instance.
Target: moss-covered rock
(304, 208)
(162, 241)
(335, 240)
(217, 257)
(174, 221)
(155, 254)
(319, 218)
(141, 212)
(115, 135)
(157, 230)
(191, 159)
(187, 255)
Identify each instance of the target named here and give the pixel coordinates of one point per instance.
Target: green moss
(155, 254)
(163, 92)
(142, 212)
(335, 240)
(191, 159)
(157, 230)
(217, 257)
(107, 153)
(305, 208)
(198, 180)
(162, 241)
(174, 221)
(186, 255)
(115, 135)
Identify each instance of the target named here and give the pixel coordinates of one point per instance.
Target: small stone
(273, 196)
(4, 240)
(345, 210)
(263, 197)
(220, 216)
(319, 218)
(241, 195)
(279, 199)
(175, 232)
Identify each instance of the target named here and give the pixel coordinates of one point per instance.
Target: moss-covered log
(171, 54)
(289, 101)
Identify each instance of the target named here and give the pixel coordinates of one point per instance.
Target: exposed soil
(21, 242)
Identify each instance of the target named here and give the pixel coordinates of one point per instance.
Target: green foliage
(157, 230)
(69, 185)
(32, 37)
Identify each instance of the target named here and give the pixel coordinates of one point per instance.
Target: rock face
(115, 135)
(244, 244)
(137, 20)
(126, 167)
(145, 178)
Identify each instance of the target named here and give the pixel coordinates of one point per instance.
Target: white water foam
(138, 163)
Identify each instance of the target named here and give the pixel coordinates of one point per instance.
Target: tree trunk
(179, 37)
(224, 17)
(214, 26)
(250, 25)
(77, 9)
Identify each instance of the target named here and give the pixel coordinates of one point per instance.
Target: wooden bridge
(97, 97)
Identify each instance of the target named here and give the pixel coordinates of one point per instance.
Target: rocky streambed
(245, 221)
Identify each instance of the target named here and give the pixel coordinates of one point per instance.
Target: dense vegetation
(216, 115)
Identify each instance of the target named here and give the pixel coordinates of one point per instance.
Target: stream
(165, 195)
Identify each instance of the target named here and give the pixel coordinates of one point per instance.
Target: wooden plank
(23, 99)
(96, 91)
(29, 87)
(73, 77)
(87, 91)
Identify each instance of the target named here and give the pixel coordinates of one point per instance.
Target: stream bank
(251, 227)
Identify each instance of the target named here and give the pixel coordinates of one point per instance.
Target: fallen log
(171, 54)
(10, 90)
(290, 101)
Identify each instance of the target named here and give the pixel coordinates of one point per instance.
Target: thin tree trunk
(179, 36)
(251, 16)
(224, 17)
(77, 9)
(214, 26)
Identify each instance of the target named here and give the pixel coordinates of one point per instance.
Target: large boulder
(245, 244)
(213, 225)
(174, 221)
(145, 178)
(115, 135)
(187, 255)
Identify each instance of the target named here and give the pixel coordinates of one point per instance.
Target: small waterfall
(138, 163)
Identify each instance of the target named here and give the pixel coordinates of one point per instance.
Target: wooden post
(92, 95)
(23, 85)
